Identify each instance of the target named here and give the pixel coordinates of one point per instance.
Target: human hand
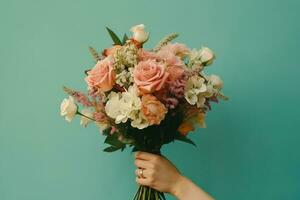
(157, 172)
(160, 174)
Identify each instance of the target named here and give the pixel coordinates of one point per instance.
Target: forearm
(186, 189)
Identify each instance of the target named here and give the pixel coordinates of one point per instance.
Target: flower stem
(79, 113)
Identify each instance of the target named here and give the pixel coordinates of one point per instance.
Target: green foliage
(125, 38)
(114, 37)
(113, 141)
(111, 149)
(184, 139)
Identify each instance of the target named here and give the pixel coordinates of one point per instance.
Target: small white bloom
(194, 87)
(194, 55)
(122, 106)
(116, 109)
(207, 56)
(139, 33)
(138, 121)
(191, 97)
(68, 108)
(201, 101)
(216, 81)
(84, 121)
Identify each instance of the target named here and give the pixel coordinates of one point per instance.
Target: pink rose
(146, 55)
(177, 49)
(169, 57)
(102, 76)
(150, 76)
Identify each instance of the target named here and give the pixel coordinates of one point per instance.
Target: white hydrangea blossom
(124, 106)
(116, 109)
(194, 91)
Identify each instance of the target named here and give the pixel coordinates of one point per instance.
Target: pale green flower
(125, 57)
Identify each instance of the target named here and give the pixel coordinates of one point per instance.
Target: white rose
(139, 33)
(216, 81)
(207, 56)
(68, 108)
(84, 121)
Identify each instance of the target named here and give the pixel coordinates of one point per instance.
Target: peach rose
(153, 110)
(110, 51)
(150, 76)
(102, 76)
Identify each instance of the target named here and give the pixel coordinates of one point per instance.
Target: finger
(145, 156)
(140, 173)
(142, 164)
(142, 181)
(146, 173)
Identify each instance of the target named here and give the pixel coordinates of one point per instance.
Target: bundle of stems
(147, 193)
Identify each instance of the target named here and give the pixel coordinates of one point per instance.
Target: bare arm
(160, 174)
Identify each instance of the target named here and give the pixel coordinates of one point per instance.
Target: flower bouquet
(144, 99)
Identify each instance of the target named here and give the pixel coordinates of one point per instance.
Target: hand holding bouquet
(145, 98)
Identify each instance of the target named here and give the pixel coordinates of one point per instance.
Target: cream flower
(200, 101)
(216, 81)
(115, 109)
(139, 33)
(122, 106)
(139, 121)
(84, 121)
(200, 58)
(68, 108)
(195, 86)
(207, 56)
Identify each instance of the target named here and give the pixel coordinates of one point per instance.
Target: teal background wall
(250, 149)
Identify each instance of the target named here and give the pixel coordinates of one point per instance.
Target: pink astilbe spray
(79, 97)
(99, 117)
(176, 87)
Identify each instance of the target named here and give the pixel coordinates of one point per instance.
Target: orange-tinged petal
(185, 128)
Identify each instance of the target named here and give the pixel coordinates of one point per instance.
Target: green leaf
(106, 131)
(114, 37)
(125, 38)
(113, 141)
(134, 149)
(185, 139)
(111, 149)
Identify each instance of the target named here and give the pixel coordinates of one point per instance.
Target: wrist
(179, 186)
